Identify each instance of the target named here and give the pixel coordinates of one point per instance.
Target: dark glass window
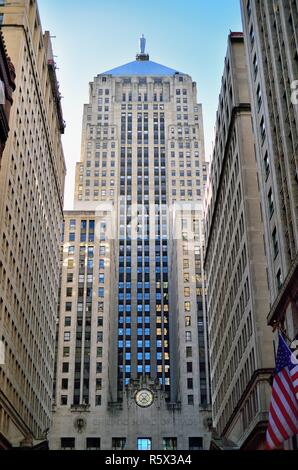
(195, 443)
(118, 443)
(67, 443)
(93, 443)
(170, 443)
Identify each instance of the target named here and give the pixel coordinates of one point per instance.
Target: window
(67, 321)
(64, 384)
(187, 306)
(252, 36)
(189, 367)
(190, 400)
(266, 165)
(186, 291)
(118, 443)
(69, 292)
(67, 443)
(66, 351)
(67, 336)
(144, 443)
(187, 321)
(169, 443)
(259, 97)
(101, 264)
(255, 66)
(69, 277)
(262, 129)
(63, 400)
(270, 203)
(97, 400)
(68, 306)
(190, 384)
(71, 250)
(65, 366)
(93, 443)
(72, 225)
(278, 279)
(70, 263)
(188, 351)
(188, 336)
(275, 242)
(248, 8)
(195, 443)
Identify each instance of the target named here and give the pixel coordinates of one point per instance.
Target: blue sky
(92, 36)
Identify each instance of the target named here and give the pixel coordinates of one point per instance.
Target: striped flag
(283, 411)
(294, 371)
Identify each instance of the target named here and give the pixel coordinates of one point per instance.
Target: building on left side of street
(7, 87)
(32, 178)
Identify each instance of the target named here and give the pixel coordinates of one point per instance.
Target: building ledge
(81, 407)
(260, 375)
(174, 406)
(255, 435)
(288, 292)
(115, 405)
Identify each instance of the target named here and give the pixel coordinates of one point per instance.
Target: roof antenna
(142, 55)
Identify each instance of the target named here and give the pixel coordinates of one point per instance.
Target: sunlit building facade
(32, 173)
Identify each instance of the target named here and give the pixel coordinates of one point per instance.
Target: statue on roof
(142, 44)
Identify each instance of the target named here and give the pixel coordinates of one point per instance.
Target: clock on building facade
(144, 398)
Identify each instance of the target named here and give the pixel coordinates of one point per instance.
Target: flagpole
(277, 325)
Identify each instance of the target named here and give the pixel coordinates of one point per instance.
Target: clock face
(144, 398)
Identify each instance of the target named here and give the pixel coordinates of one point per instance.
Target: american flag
(283, 411)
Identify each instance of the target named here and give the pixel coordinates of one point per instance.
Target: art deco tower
(131, 356)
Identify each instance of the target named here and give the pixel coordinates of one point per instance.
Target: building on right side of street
(241, 346)
(271, 39)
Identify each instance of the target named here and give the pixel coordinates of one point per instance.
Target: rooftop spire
(142, 55)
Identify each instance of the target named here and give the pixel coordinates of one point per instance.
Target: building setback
(132, 369)
(271, 38)
(31, 209)
(241, 351)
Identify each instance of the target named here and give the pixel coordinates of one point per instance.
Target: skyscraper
(270, 31)
(132, 369)
(7, 87)
(241, 350)
(31, 210)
